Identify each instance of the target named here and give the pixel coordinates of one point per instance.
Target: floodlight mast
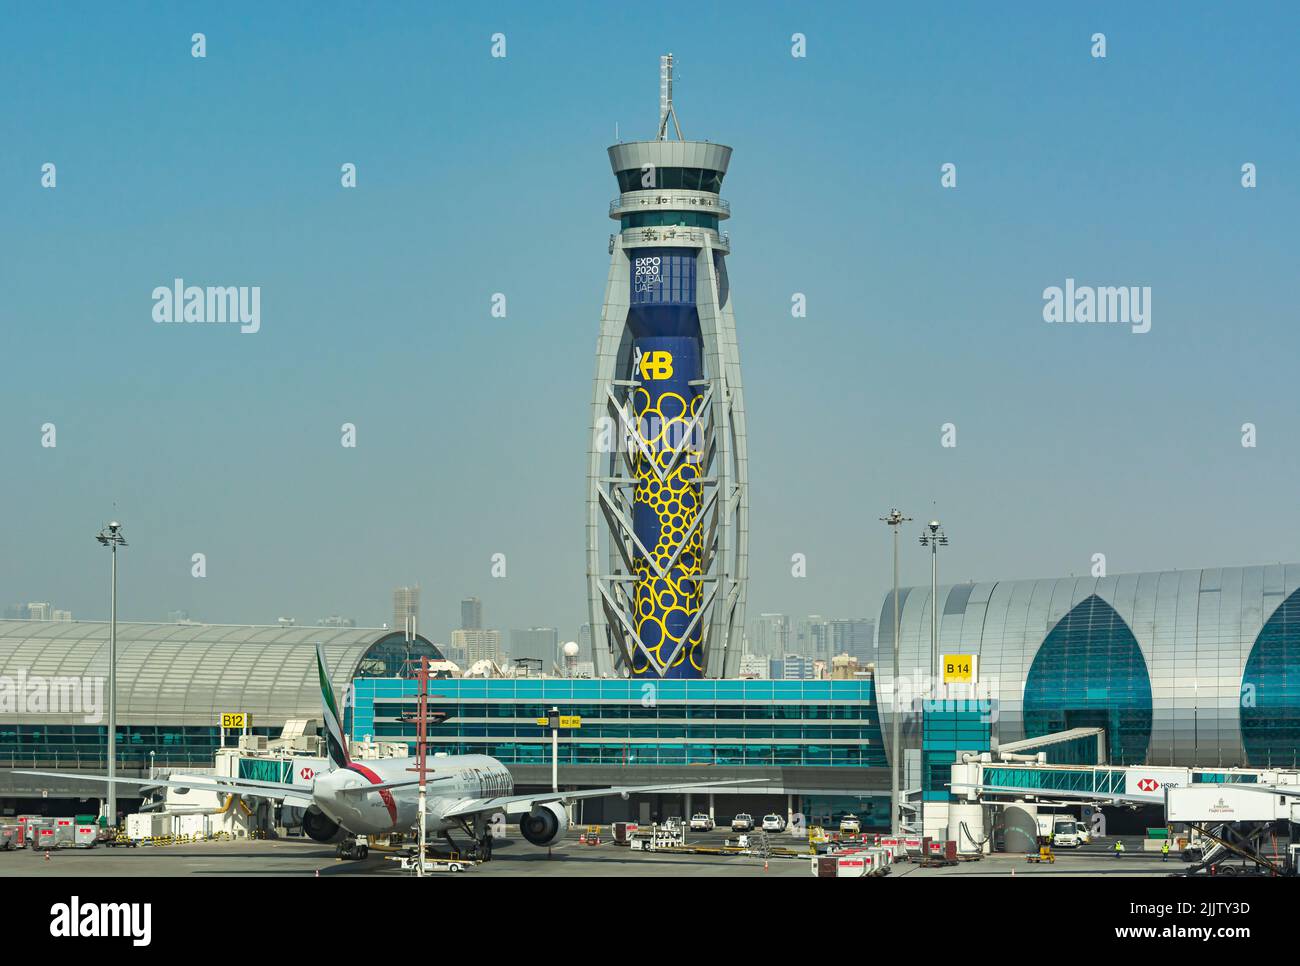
(934, 538)
(894, 519)
(111, 537)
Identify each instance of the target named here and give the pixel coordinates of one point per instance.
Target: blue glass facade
(949, 727)
(56, 746)
(1270, 699)
(1090, 673)
(1192, 668)
(667, 722)
(661, 219)
(1079, 751)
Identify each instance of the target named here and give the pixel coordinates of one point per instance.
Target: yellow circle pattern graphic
(664, 512)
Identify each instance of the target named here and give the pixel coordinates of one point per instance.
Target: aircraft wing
(521, 804)
(296, 795)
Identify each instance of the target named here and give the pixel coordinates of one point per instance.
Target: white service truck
(1061, 830)
(1065, 833)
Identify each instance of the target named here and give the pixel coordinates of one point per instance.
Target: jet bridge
(980, 778)
(1236, 810)
(1036, 749)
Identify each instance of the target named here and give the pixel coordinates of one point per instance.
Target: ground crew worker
(1164, 851)
(1119, 848)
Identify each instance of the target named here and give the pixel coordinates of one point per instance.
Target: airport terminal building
(815, 744)
(1191, 667)
(174, 681)
(1185, 668)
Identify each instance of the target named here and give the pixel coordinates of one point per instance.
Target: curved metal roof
(187, 674)
(669, 154)
(1195, 630)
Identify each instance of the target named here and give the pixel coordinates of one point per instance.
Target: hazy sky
(479, 175)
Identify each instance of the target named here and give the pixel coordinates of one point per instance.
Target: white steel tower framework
(667, 599)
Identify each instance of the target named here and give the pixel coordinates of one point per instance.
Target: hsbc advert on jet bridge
(1149, 784)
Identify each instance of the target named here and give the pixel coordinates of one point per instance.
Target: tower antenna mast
(666, 98)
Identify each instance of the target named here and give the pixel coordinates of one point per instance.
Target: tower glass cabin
(667, 489)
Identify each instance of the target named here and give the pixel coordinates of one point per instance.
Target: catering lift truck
(1242, 829)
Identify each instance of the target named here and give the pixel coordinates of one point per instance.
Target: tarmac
(515, 857)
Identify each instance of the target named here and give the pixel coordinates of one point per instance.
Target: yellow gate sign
(234, 720)
(959, 668)
(566, 721)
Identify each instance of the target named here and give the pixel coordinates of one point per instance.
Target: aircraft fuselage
(451, 779)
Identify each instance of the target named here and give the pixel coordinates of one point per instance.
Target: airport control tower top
(669, 185)
(667, 504)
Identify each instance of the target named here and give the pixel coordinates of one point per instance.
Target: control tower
(667, 489)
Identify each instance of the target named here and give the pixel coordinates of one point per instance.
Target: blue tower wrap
(665, 327)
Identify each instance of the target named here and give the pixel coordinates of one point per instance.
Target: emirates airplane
(353, 799)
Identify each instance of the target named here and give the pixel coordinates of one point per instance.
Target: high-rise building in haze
(855, 637)
(667, 483)
(792, 667)
(406, 605)
(38, 611)
(810, 638)
(478, 645)
(771, 636)
(538, 644)
(471, 614)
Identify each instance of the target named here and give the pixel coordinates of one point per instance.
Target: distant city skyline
(813, 640)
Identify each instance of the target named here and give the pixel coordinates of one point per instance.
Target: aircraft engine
(320, 827)
(545, 824)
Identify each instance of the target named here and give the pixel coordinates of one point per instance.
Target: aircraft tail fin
(335, 746)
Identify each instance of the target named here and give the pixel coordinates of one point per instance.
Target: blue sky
(480, 175)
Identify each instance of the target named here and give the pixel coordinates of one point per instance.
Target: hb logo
(656, 365)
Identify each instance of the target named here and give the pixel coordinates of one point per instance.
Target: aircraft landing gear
(481, 835)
